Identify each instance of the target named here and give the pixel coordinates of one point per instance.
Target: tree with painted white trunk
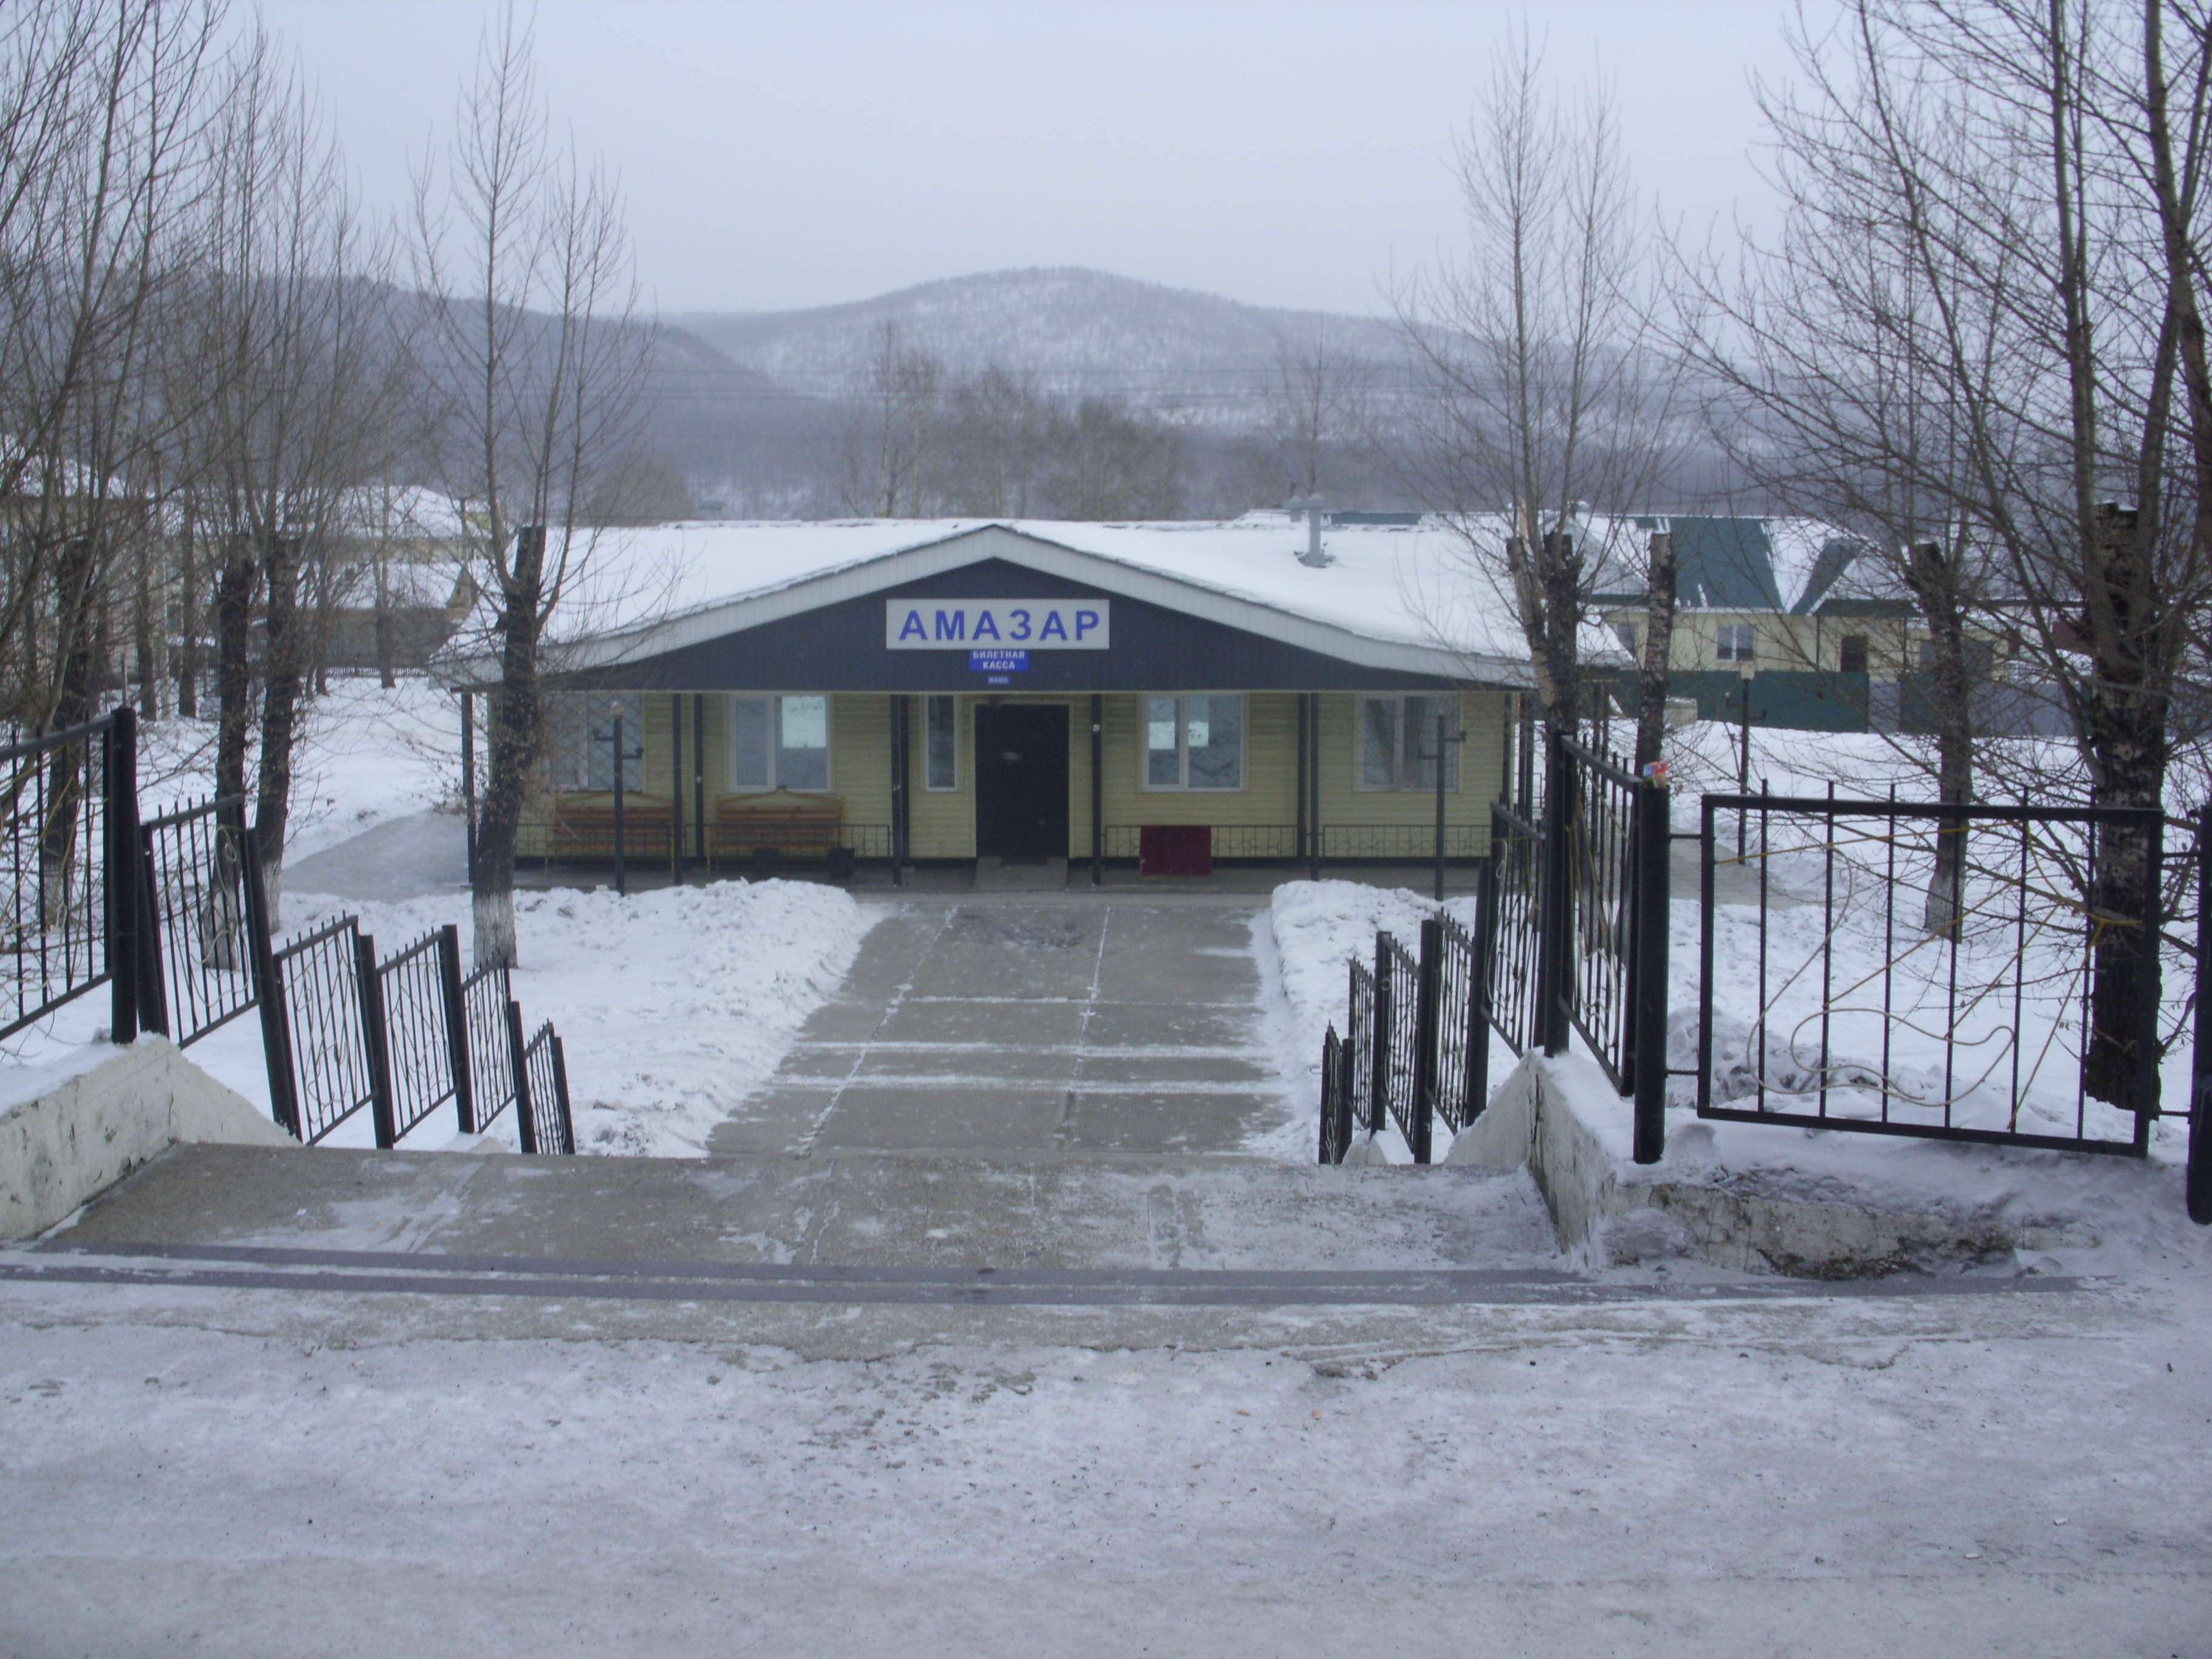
(531, 343)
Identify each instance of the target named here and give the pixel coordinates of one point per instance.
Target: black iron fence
(541, 1073)
(403, 1037)
(1569, 932)
(172, 917)
(193, 935)
(1332, 843)
(67, 913)
(418, 1048)
(1984, 973)
(1417, 1051)
(1507, 901)
(484, 999)
(315, 1032)
(1338, 1101)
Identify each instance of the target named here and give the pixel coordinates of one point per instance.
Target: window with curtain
(1398, 742)
(1195, 742)
(779, 743)
(1739, 642)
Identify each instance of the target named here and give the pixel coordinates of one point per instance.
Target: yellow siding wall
(944, 821)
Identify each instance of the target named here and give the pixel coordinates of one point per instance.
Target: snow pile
(673, 1006)
(1321, 926)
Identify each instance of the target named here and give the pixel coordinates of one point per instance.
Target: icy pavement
(1074, 1022)
(1714, 1469)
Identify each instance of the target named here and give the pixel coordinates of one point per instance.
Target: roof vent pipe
(1311, 506)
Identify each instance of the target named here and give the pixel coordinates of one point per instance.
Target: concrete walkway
(1046, 1022)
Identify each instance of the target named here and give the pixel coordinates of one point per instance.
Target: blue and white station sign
(997, 625)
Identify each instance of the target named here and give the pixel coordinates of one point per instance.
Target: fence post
(1554, 914)
(153, 1001)
(1343, 1081)
(120, 784)
(1428, 1037)
(2200, 1093)
(1378, 1096)
(519, 1052)
(456, 1024)
(1328, 1073)
(1648, 969)
(561, 1096)
(377, 1039)
(268, 991)
(1478, 992)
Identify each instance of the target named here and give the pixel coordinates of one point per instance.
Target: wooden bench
(782, 822)
(583, 827)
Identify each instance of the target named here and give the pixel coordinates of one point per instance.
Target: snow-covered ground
(365, 755)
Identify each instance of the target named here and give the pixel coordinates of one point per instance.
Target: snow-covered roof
(1405, 598)
(1733, 562)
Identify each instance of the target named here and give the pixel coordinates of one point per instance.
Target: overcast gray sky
(777, 156)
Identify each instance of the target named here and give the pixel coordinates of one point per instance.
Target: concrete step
(1035, 1211)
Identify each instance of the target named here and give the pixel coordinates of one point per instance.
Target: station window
(940, 744)
(1398, 743)
(579, 740)
(1195, 742)
(779, 743)
(1739, 642)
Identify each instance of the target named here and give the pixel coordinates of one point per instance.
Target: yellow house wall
(944, 821)
(1800, 644)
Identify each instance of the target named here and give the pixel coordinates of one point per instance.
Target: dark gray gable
(840, 647)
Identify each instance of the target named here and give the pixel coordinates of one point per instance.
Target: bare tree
(1541, 392)
(892, 417)
(100, 104)
(1317, 407)
(531, 348)
(279, 368)
(997, 428)
(1998, 228)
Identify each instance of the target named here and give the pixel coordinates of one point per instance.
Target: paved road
(1040, 1023)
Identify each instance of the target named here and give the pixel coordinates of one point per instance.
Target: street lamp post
(1444, 738)
(1745, 669)
(622, 873)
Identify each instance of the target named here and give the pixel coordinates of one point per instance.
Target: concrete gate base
(70, 1130)
(1769, 1198)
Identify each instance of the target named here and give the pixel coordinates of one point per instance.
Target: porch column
(902, 737)
(675, 778)
(1313, 786)
(1097, 789)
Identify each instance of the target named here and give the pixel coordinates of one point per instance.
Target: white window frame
(1399, 768)
(776, 700)
(1735, 643)
(951, 703)
(1184, 786)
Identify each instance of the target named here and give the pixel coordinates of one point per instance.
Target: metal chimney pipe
(1313, 555)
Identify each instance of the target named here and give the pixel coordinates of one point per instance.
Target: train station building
(907, 694)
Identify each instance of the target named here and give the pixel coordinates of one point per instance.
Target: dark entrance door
(1021, 780)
